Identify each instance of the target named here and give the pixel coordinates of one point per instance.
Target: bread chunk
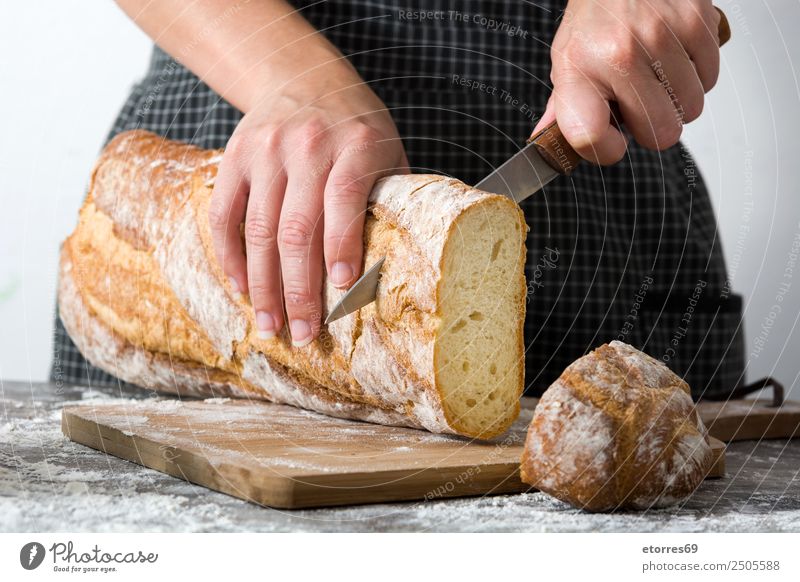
(618, 429)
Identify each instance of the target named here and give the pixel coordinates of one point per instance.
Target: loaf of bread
(142, 296)
(618, 429)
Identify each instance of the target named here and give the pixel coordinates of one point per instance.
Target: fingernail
(301, 332)
(341, 274)
(265, 324)
(237, 293)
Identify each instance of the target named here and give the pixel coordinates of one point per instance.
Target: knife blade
(360, 294)
(546, 156)
(522, 175)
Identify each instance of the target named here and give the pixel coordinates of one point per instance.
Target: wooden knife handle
(555, 149)
(724, 29)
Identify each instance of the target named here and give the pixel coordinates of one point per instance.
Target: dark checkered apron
(628, 252)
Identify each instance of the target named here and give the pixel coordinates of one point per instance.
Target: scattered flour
(217, 400)
(48, 483)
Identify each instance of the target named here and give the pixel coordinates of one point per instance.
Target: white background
(67, 66)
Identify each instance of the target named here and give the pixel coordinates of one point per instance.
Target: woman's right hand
(297, 172)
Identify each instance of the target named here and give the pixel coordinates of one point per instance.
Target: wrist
(307, 79)
(328, 77)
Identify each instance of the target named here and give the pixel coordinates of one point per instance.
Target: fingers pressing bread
(299, 181)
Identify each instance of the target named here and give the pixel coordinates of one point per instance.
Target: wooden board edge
(484, 480)
(717, 470)
(755, 425)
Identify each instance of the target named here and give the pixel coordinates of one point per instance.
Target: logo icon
(31, 555)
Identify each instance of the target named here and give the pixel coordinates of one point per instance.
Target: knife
(546, 156)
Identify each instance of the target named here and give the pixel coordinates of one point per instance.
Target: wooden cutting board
(286, 457)
(740, 420)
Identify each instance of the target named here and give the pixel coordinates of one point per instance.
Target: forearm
(243, 50)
